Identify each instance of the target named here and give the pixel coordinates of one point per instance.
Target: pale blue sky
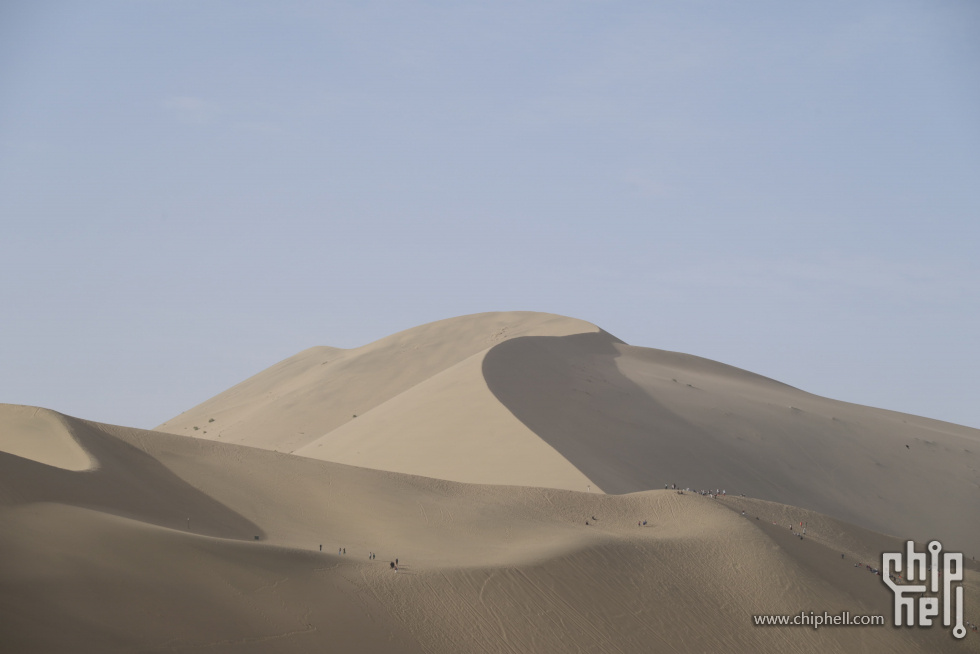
(191, 191)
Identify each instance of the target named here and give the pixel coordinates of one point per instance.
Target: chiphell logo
(948, 568)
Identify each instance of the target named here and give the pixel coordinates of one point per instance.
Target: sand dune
(41, 435)
(125, 480)
(541, 400)
(320, 389)
(480, 449)
(634, 418)
(483, 568)
(450, 427)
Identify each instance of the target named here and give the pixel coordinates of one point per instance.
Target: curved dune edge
(450, 427)
(130, 479)
(41, 435)
(634, 419)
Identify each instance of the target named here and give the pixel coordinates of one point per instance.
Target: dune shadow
(127, 482)
(569, 391)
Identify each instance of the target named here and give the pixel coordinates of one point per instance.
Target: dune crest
(450, 427)
(298, 400)
(634, 419)
(41, 435)
(128, 480)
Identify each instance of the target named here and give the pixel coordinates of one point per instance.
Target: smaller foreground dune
(175, 544)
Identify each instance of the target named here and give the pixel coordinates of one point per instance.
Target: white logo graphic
(917, 570)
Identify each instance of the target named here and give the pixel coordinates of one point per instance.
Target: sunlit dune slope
(451, 427)
(320, 389)
(40, 435)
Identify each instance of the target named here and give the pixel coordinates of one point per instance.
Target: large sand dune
(104, 560)
(475, 450)
(540, 400)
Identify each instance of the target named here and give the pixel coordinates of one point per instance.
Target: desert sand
(480, 448)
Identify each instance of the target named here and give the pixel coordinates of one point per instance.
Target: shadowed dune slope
(482, 568)
(124, 480)
(633, 419)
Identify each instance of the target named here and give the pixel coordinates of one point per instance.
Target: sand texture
(482, 446)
